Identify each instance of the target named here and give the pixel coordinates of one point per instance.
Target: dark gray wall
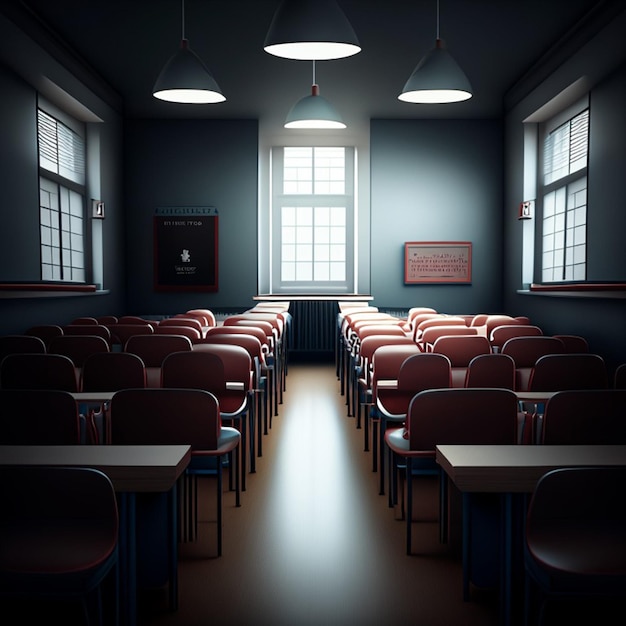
(436, 180)
(600, 63)
(192, 163)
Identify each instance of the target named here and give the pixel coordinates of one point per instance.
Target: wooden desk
(510, 470)
(132, 470)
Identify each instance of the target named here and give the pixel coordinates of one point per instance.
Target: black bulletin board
(186, 249)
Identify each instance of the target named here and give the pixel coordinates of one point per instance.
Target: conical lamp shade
(185, 78)
(311, 30)
(437, 79)
(313, 111)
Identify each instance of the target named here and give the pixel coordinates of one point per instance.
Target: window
(563, 194)
(61, 199)
(312, 219)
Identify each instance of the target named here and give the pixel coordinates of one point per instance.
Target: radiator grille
(314, 324)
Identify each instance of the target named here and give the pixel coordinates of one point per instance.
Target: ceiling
(128, 41)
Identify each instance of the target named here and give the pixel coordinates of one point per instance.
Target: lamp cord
(314, 71)
(438, 19)
(182, 3)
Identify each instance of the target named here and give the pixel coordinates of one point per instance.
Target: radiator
(314, 325)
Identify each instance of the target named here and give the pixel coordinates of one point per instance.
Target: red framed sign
(185, 249)
(433, 262)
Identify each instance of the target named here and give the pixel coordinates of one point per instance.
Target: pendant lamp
(314, 111)
(437, 79)
(308, 30)
(185, 78)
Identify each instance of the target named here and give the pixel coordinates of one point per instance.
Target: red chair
(525, 351)
(122, 331)
(460, 350)
(45, 332)
(223, 370)
(178, 416)
(432, 333)
(424, 370)
(38, 371)
(38, 417)
(574, 343)
(491, 370)
(259, 379)
(585, 417)
(487, 416)
(10, 344)
(501, 334)
(204, 314)
(180, 320)
(109, 371)
(619, 377)
(89, 329)
(78, 348)
(152, 350)
(574, 539)
(193, 334)
(60, 534)
(90, 321)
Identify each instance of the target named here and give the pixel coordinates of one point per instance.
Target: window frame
(279, 200)
(571, 261)
(63, 220)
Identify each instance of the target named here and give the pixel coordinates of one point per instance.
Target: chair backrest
(38, 417)
(574, 531)
(251, 344)
(525, 351)
(494, 320)
(440, 320)
(122, 331)
(166, 416)
(60, 532)
(242, 330)
(423, 370)
(78, 347)
(574, 343)
(462, 416)
(45, 331)
(210, 369)
(105, 320)
(90, 321)
(152, 350)
(491, 370)
(88, 329)
(460, 350)
(500, 334)
(179, 320)
(585, 417)
(193, 334)
(205, 314)
(9, 344)
(432, 333)
(556, 372)
(111, 371)
(38, 371)
(134, 319)
(619, 377)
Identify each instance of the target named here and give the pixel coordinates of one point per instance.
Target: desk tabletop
(517, 468)
(130, 468)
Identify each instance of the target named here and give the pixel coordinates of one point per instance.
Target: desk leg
(467, 536)
(128, 558)
(507, 559)
(173, 531)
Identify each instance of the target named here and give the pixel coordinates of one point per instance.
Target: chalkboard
(185, 249)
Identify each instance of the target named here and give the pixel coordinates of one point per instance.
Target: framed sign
(437, 262)
(185, 249)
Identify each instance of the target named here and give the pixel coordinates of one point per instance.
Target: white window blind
(61, 150)
(565, 148)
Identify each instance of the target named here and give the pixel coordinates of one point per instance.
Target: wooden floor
(313, 543)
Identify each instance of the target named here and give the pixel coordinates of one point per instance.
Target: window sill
(614, 291)
(47, 290)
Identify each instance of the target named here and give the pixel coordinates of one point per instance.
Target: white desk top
(517, 468)
(130, 468)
